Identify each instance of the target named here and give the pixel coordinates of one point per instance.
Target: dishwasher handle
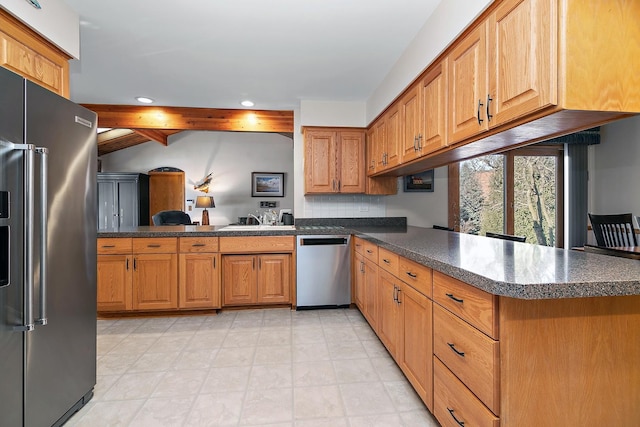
(323, 241)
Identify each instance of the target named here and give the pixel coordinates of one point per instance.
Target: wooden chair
(611, 252)
(506, 237)
(613, 230)
(171, 218)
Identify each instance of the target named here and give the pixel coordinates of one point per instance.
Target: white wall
(614, 169)
(56, 22)
(231, 156)
(422, 209)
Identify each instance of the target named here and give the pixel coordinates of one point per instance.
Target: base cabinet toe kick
(490, 360)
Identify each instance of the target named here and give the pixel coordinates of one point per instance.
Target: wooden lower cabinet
(371, 293)
(256, 279)
(114, 282)
(389, 317)
(199, 281)
(416, 345)
(155, 281)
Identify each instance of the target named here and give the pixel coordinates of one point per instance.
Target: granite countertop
(500, 267)
(512, 269)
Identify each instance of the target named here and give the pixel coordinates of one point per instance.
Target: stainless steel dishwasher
(323, 271)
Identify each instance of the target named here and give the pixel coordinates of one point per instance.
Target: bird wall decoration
(203, 184)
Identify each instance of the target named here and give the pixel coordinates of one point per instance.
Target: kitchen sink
(257, 227)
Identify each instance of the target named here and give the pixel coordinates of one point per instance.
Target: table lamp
(205, 202)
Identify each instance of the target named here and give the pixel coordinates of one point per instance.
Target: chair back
(442, 227)
(171, 218)
(506, 237)
(613, 230)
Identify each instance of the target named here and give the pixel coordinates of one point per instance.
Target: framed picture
(267, 184)
(422, 181)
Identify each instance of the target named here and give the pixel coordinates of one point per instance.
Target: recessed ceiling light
(144, 100)
(247, 103)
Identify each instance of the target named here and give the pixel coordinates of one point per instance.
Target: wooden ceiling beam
(187, 118)
(153, 135)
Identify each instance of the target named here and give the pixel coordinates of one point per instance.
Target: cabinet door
(199, 283)
(128, 204)
(467, 65)
(371, 293)
(523, 59)
(434, 110)
(411, 123)
(155, 281)
(358, 281)
(114, 282)
(320, 162)
(393, 137)
(380, 143)
(274, 278)
(371, 151)
(107, 206)
(239, 279)
(388, 311)
(351, 178)
(415, 356)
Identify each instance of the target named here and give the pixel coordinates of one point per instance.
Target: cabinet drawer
(370, 251)
(114, 245)
(155, 245)
(198, 244)
(388, 261)
(473, 305)
(469, 354)
(255, 244)
(454, 404)
(358, 245)
(415, 275)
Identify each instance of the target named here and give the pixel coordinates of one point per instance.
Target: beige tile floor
(272, 367)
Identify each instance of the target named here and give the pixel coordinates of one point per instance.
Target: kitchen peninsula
(510, 334)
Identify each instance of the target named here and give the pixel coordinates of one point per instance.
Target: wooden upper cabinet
(393, 137)
(467, 65)
(410, 123)
(351, 178)
(334, 161)
(522, 59)
(434, 109)
(25, 52)
(504, 69)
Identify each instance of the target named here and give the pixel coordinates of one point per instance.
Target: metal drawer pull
(369, 251)
(198, 245)
(153, 246)
(453, 347)
(480, 104)
(108, 246)
(489, 99)
(127, 264)
(395, 295)
(460, 423)
(410, 274)
(454, 298)
(386, 261)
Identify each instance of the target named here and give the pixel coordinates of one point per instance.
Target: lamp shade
(205, 202)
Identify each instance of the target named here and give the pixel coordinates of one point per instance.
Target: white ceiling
(215, 53)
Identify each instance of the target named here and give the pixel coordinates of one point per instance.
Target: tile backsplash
(344, 206)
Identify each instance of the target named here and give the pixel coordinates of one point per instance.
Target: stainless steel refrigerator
(48, 165)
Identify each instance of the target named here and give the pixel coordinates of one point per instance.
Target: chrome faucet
(257, 218)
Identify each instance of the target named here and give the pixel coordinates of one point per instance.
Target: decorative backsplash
(344, 206)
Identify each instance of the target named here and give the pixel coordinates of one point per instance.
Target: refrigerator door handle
(44, 174)
(27, 213)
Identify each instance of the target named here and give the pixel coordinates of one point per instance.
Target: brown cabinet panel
(351, 177)
(108, 246)
(389, 311)
(166, 192)
(155, 281)
(411, 123)
(434, 109)
(239, 279)
(320, 161)
(454, 405)
(274, 281)
(198, 244)
(114, 282)
(155, 245)
(257, 244)
(199, 282)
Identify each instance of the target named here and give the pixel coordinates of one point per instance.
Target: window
(518, 192)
